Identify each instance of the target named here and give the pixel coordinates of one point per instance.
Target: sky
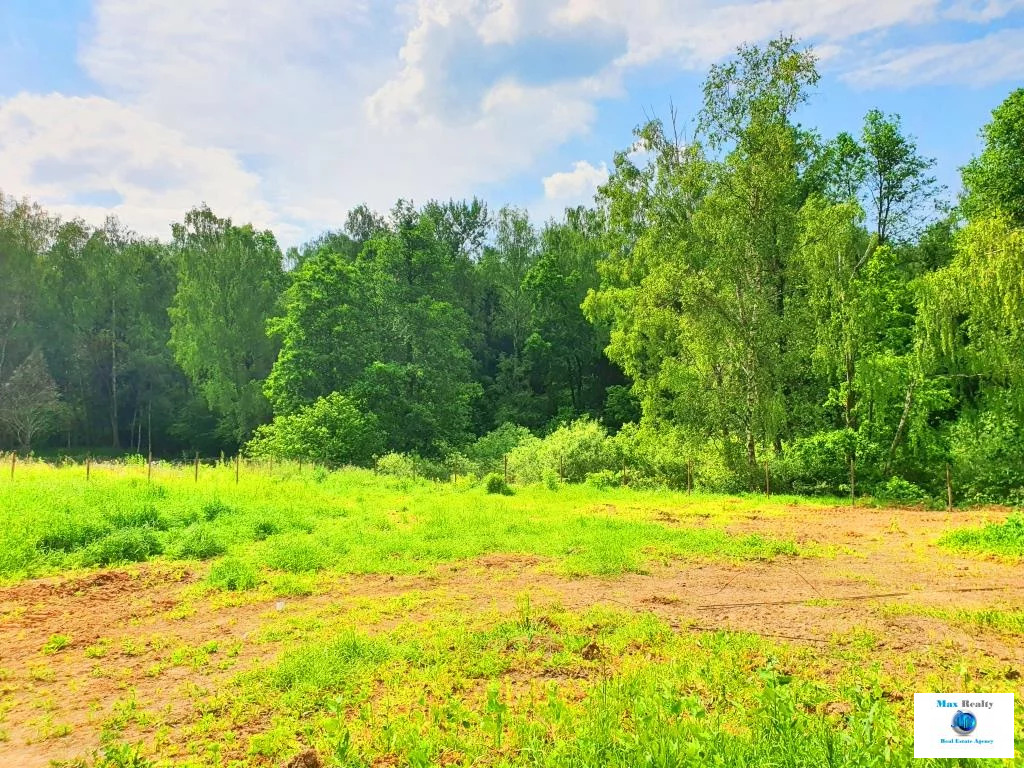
(287, 113)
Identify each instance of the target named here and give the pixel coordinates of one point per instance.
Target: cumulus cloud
(89, 157)
(577, 185)
(289, 112)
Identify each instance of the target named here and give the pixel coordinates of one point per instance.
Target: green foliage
(56, 644)
(572, 451)
(900, 490)
(226, 353)
(495, 483)
(126, 545)
(295, 553)
(1006, 538)
(199, 542)
(987, 449)
(234, 574)
(994, 181)
(602, 479)
(488, 452)
(333, 430)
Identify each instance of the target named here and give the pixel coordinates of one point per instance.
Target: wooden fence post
(149, 468)
(767, 480)
(88, 466)
(506, 468)
(197, 467)
(14, 459)
(237, 461)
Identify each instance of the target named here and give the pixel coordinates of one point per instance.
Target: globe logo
(964, 722)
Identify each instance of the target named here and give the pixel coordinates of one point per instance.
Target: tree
(30, 404)
(898, 184)
(994, 181)
(229, 282)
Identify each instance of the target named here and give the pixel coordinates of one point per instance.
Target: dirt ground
(869, 558)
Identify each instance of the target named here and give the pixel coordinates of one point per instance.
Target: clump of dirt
(307, 759)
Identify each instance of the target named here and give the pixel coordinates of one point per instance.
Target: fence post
(506, 468)
(767, 479)
(689, 476)
(949, 488)
(14, 459)
(88, 466)
(149, 468)
(197, 467)
(237, 460)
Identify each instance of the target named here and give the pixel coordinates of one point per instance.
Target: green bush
(988, 456)
(396, 465)
(572, 451)
(489, 451)
(603, 479)
(234, 575)
(198, 542)
(334, 430)
(495, 483)
(126, 545)
(900, 490)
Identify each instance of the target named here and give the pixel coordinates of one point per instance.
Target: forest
(747, 305)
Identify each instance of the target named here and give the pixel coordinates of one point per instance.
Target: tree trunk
(907, 403)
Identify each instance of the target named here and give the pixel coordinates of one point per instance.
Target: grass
(1006, 538)
(351, 521)
(1008, 621)
(422, 676)
(544, 686)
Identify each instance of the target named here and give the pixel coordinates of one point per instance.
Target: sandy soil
(872, 557)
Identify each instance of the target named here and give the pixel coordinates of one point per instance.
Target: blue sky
(289, 112)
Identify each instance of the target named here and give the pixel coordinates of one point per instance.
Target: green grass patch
(1006, 538)
(1008, 621)
(353, 521)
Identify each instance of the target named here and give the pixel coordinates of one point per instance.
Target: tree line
(745, 296)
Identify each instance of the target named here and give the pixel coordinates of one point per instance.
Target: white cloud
(291, 111)
(577, 185)
(66, 151)
(991, 59)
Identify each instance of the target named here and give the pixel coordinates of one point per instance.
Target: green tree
(994, 181)
(229, 283)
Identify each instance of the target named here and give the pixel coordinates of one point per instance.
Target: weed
(234, 575)
(55, 644)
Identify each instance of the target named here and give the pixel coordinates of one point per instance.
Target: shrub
(489, 451)
(988, 456)
(603, 479)
(199, 543)
(900, 490)
(234, 575)
(334, 430)
(126, 545)
(572, 451)
(495, 483)
(550, 479)
(396, 465)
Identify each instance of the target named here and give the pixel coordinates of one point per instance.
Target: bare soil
(869, 558)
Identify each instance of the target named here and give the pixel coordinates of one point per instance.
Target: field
(306, 618)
